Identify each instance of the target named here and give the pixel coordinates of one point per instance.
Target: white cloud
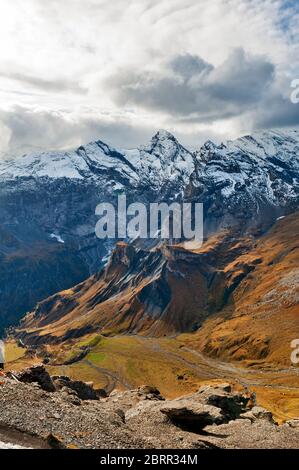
(25, 128)
(56, 56)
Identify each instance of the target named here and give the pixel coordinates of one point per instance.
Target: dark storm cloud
(191, 87)
(188, 66)
(276, 111)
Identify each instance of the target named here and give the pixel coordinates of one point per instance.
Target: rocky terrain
(40, 411)
(260, 319)
(48, 201)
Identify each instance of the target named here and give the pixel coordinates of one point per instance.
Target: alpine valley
(179, 317)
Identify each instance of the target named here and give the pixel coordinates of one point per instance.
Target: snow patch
(57, 237)
(5, 445)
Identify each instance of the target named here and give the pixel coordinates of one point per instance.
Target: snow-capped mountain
(162, 160)
(252, 179)
(48, 200)
(265, 162)
(53, 195)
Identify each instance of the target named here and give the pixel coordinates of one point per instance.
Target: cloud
(191, 87)
(55, 85)
(188, 66)
(27, 129)
(277, 111)
(74, 71)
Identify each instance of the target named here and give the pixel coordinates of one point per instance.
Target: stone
(293, 423)
(149, 392)
(190, 414)
(36, 374)
(55, 442)
(221, 396)
(83, 390)
(258, 412)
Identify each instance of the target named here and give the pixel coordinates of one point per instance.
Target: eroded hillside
(236, 297)
(261, 317)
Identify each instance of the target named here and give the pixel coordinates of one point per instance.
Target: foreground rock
(213, 417)
(36, 374)
(257, 413)
(39, 375)
(83, 390)
(210, 405)
(193, 416)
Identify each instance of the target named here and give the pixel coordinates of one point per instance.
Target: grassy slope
(13, 352)
(262, 317)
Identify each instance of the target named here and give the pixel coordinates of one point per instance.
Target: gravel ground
(31, 417)
(29, 409)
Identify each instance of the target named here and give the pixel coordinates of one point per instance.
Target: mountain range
(47, 215)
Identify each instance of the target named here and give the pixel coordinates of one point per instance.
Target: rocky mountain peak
(163, 135)
(165, 146)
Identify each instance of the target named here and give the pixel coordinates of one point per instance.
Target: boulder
(211, 404)
(149, 392)
(192, 415)
(293, 423)
(258, 412)
(83, 390)
(55, 442)
(232, 404)
(36, 374)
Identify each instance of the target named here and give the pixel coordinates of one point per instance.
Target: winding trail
(212, 368)
(112, 378)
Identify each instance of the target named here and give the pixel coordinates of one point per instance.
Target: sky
(74, 71)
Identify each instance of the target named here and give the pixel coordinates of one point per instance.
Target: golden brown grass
(262, 317)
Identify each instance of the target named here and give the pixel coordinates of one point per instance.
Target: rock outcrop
(83, 390)
(36, 374)
(213, 417)
(39, 375)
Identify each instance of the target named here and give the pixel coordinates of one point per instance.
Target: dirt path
(112, 378)
(212, 368)
(243, 375)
